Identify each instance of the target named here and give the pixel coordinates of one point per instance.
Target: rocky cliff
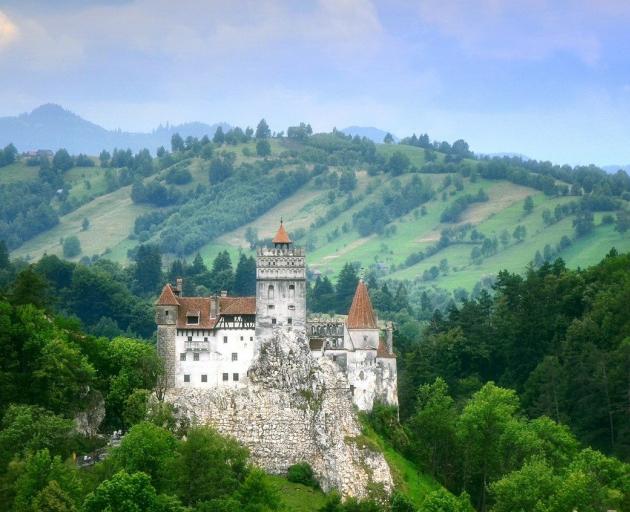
(294, 409)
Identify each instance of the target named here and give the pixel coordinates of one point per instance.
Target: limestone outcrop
(295, 409)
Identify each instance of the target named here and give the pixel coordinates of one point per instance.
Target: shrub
(302, 473)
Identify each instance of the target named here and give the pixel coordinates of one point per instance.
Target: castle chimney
(180, 286)
(214, 306)
(223, 293)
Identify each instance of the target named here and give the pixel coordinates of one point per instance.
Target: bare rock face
(87, 422)
(294, 409)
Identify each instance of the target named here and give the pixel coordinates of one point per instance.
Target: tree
(528, 205)
(347, 181)
(30, 287)
(4, 256)
(177, 143)
(222, 275)
(398, 163)
(443, 501)
(221, 168)
(388, 139)
(208, 466)
(263, 148)
(251, 236)
(85, 225)
(346, 286)
(148, 268)
(520, 232)
(71, 247)
(322, 294)
(104, 158)
(583, 223)
(245, 276)
(62, 161)
(218, 137)
(262, 130)
(126, 492)
(147, 448)
(623, 221)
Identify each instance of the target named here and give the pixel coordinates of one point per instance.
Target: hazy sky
(549, 79)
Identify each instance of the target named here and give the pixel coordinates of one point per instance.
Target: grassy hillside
(324, 217)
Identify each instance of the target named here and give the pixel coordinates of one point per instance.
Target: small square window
(234, 356)
(251, 338)
(186, 378)
(226, 376)
(273, 321)
(182, 356)
(205, 338)
(291, 307)
(224, 339)
(196, 356)
(189, 338)
(204, 378)
(271, 306)
(192, 319)
(235, 376)
(290, 320)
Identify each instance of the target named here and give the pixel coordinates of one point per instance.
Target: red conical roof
(167, 297)
(282, 237)
(361, 315)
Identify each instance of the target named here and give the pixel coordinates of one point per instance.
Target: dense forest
(514, 400)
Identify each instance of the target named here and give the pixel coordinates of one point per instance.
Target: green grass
(298, 497)
(17, 172)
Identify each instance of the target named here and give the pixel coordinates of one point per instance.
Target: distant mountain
(52, 127)
(508, 155)
(613, 168)
(374, 134)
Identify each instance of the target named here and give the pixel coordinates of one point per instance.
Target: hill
(374, 134)
(438, 221)
(52, 127)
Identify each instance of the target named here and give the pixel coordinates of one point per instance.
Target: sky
(549, 79)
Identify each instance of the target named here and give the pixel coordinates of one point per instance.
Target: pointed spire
(361, 315)
(167, 297)
(282, 237)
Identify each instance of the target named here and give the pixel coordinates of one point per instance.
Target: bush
(71, 247)
(302, 473)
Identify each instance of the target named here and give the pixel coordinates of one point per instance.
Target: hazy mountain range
(374, 134)
(52, 127)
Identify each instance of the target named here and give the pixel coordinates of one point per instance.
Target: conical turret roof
(361, 315)
(167, 297)
(282, 237)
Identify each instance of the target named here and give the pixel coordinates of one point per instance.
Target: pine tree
(245, 276)
(222, 274)
(346, 286)
(323, 295)
(4, 255)
(148, 269)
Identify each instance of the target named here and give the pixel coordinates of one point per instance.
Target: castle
(209, 342)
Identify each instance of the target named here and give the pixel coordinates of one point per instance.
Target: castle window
(166, 313)
(291, 291)
(204, 378)
(270, 292)
(271, 306)
(235, 377)
(241, 338)
(251, 338)
(291, 307)
(234, 356)
(273, 321)
(186, 378)
(182, 356)
(192, 319)
(205, 338)
(290, 321)
(226, 376)
(224, 339)
(196, 356)
(189, 338)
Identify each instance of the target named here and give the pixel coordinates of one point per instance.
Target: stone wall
(295, 409)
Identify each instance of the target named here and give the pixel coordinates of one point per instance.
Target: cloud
(525, 29)
(8, 31)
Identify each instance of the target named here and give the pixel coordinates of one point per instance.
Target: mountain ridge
(50, 126)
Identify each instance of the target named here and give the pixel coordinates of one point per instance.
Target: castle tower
(362, 322)
(280, 285)
(166, 311)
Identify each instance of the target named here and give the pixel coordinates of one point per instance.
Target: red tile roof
(202, 306)
(167, 297)
(282, 237)
(361, 315)
(237, 305)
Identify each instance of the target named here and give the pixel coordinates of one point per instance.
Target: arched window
(270, 292)
(291, 291)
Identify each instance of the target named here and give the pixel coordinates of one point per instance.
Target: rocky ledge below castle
(294, 409)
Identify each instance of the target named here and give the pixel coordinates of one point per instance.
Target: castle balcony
(198, 346)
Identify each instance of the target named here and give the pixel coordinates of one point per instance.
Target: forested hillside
(426, 213)
(516, 400)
